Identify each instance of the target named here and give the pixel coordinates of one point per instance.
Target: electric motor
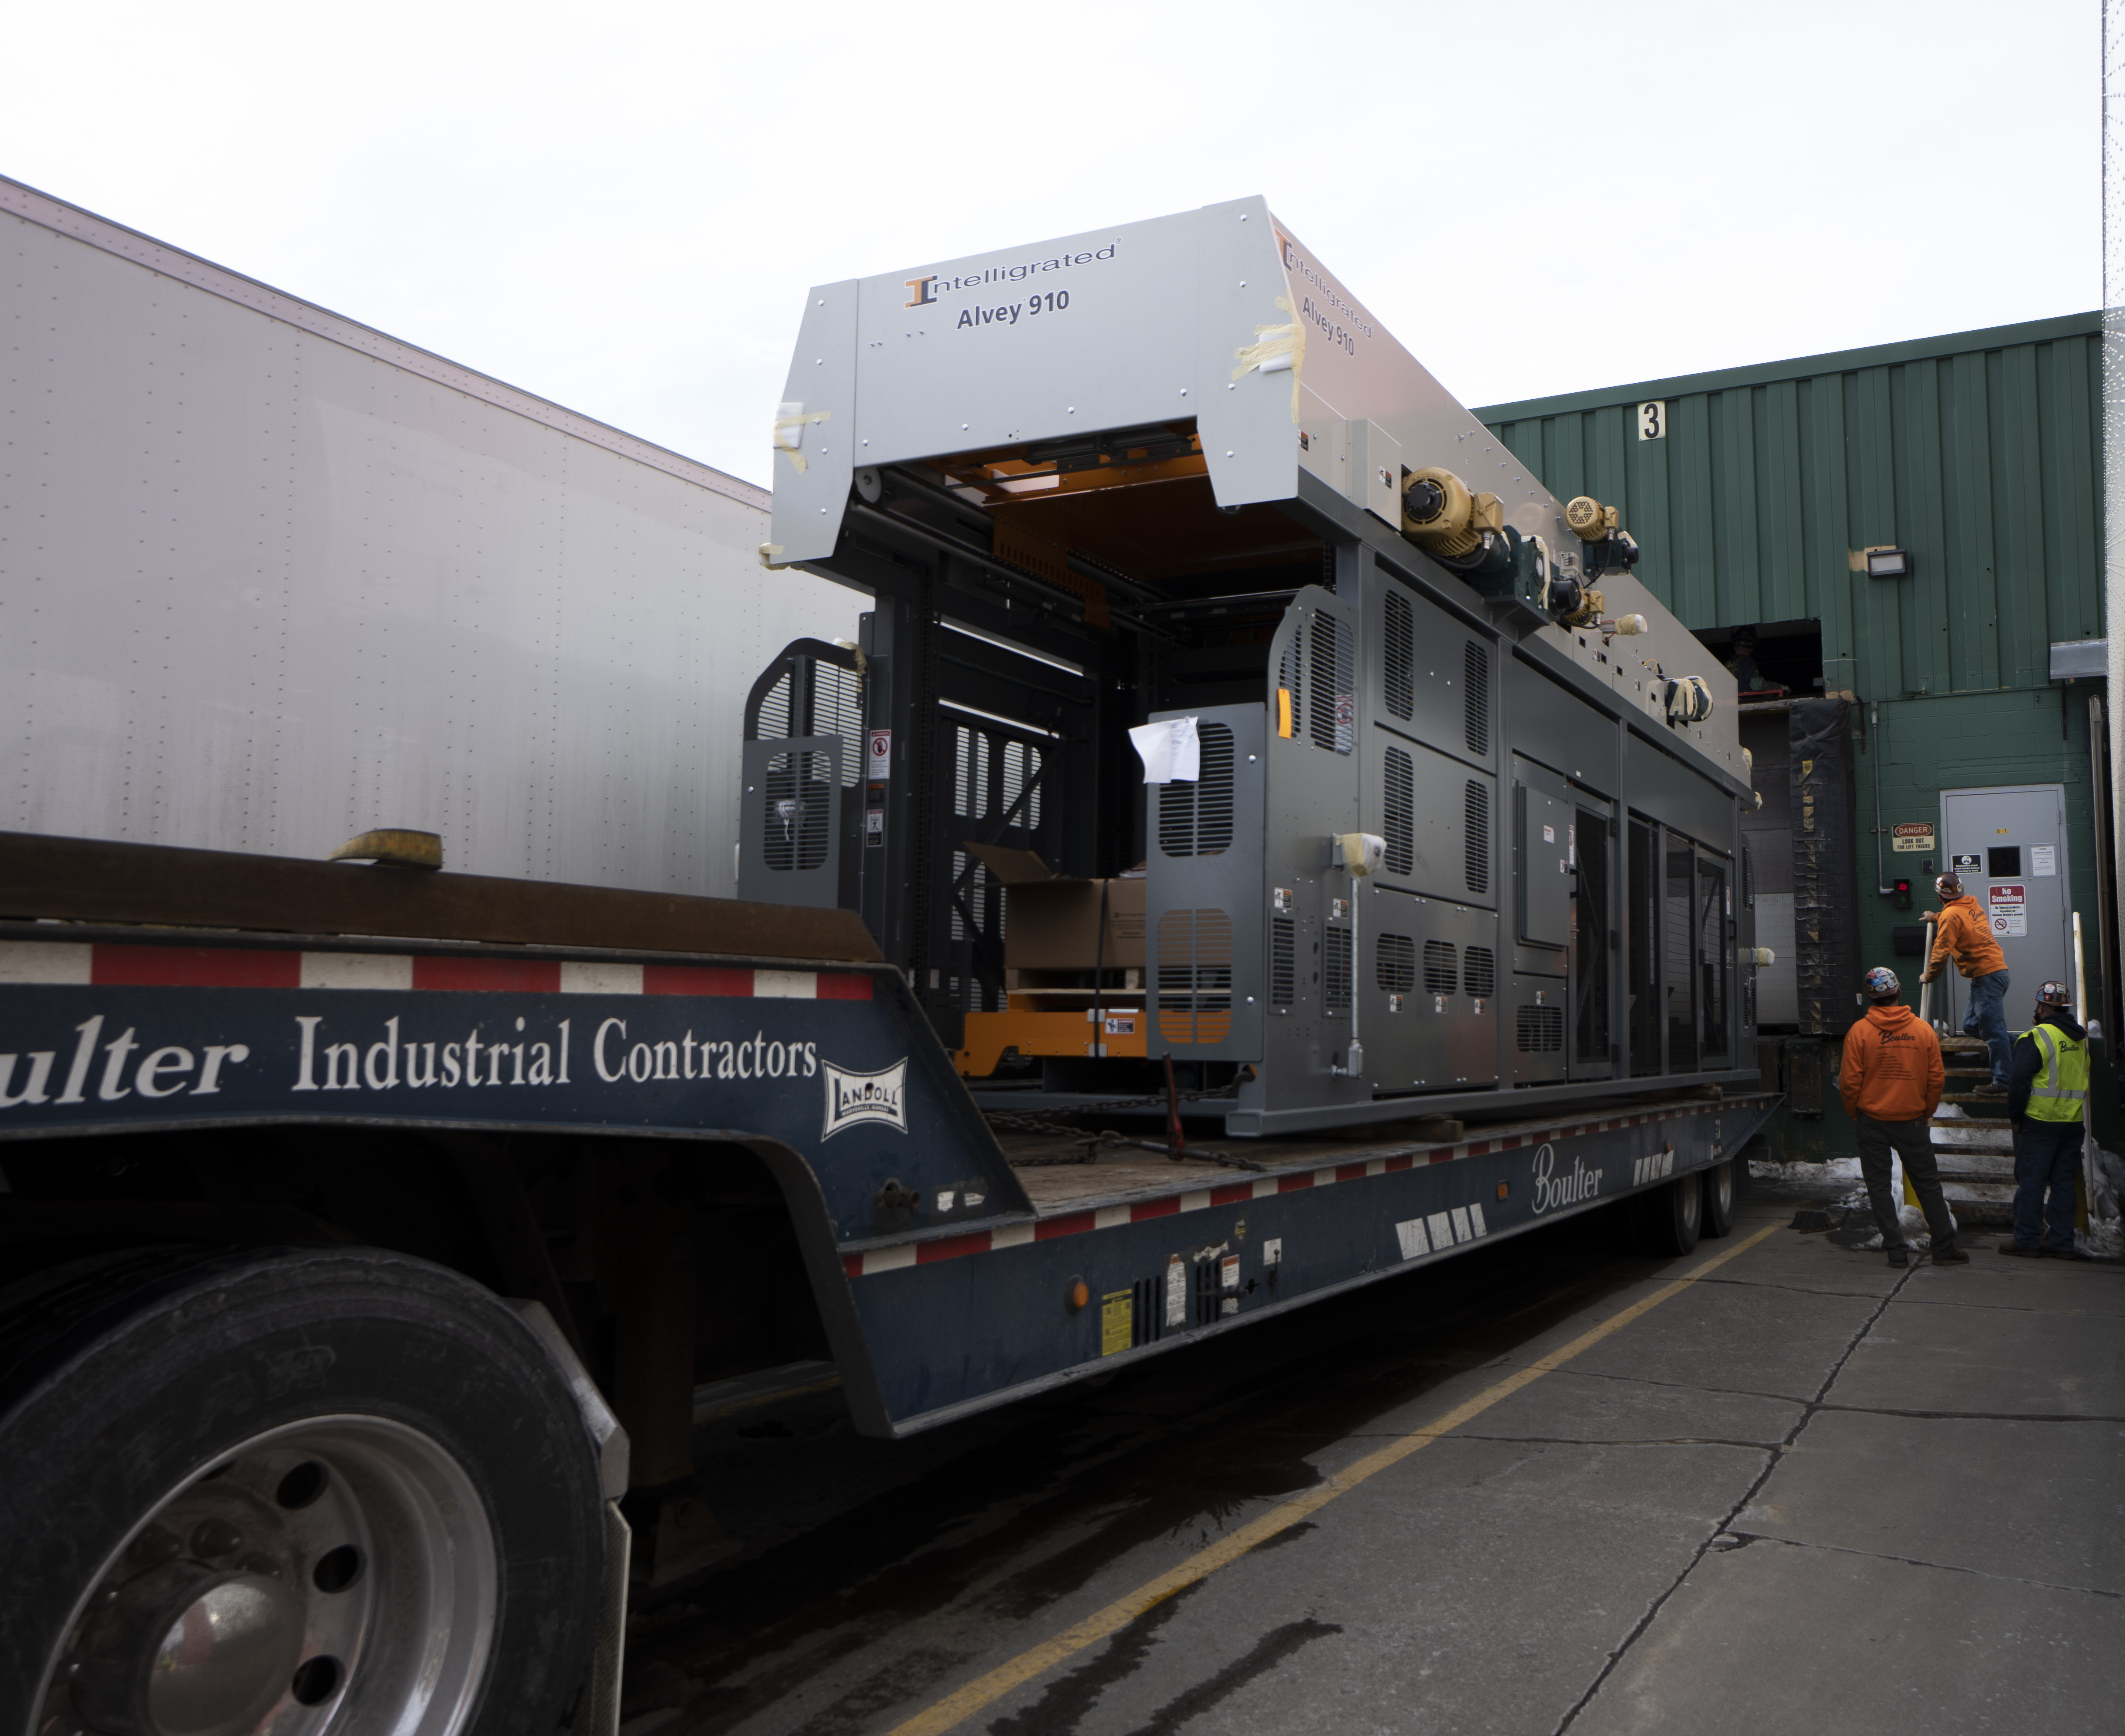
(1442, 517)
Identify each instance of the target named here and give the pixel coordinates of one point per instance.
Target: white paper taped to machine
(1170, 750)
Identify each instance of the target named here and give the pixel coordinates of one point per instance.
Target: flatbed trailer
(365, 1230)
(266, 1184)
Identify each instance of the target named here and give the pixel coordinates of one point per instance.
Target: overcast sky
(620, 207)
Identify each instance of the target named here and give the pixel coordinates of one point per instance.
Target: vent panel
(1330, 703)
(1335, 972)
(797, 795)
(1476, 698)
(1479, 973)
(1283, 962)
(837, 710)
(1441, 968)
(1540, 1030)
(1196, 819)
(1194, 977)
(1394, 963)
(775, 711)
(1476, 818)
(832, 706)
(1399, 811)
(1399, 679)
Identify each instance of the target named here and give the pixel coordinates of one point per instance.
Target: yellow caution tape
(789, 431)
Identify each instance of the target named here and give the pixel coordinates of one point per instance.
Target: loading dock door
(2009, 845)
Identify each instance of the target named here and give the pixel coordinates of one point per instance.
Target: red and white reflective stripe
(1232, 1194)
(103, 965)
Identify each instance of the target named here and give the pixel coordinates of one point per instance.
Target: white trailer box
(270, 579)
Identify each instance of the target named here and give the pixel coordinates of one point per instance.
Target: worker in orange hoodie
(1891, 1082)
(1965, 934)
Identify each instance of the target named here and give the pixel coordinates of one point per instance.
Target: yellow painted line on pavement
(984, 1691)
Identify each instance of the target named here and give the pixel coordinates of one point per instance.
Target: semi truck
(369, 1224)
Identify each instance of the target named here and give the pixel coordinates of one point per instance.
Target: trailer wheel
(1717, 1213)
(1667, 1220)
(244, 1491)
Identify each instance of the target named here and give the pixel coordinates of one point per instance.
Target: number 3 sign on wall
(1652, 420)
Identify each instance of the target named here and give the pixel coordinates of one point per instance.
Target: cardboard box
(1052, 924)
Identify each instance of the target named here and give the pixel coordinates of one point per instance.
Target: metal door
(2008, 844)
(1544, 865)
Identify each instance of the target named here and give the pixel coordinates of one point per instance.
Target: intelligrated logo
(855, 1097)
(928, 290)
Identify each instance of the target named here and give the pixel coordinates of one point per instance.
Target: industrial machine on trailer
(367, 1227)
(1445, 817)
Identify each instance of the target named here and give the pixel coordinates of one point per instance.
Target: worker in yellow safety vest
(2047, 1092)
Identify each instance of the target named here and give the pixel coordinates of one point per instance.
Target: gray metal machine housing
(1102, 481)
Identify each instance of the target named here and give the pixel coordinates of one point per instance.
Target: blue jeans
(2046, 1156)
(1987, 1018)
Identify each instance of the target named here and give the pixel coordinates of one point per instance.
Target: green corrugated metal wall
(1979, 452)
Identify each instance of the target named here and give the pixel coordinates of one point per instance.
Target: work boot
(1899, 1257)
(1950, 1256)
(2065, 1253)
(2028, 1253)
(1990, 1090)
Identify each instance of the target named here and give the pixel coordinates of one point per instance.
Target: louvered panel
(1394, 963)
(1476, 698)
(1398, 672)
(1283, 962)
(797, 795)
(775, 711)
(1441, 968)
(837, 710)
(1331, 703)
(1196, 819)
(1476, 814)
(1399, 811)
(1335, 972)
(1539, 1030)
(1194, 977)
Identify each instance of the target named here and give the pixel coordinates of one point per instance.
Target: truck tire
(287, 1488)
(1717, 1215)
(1666, 1221)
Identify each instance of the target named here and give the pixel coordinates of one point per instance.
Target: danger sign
(880, 757)
(1914, 836)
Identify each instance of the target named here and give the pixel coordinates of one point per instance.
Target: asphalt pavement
(1773, 1485)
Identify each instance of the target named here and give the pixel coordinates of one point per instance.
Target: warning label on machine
(2008, 902)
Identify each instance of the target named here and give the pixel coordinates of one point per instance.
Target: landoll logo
(855, 1097)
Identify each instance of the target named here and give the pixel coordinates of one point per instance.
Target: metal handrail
(1925, 988)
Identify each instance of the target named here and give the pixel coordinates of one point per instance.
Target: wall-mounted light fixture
(1888, 563)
